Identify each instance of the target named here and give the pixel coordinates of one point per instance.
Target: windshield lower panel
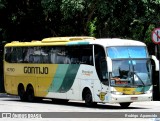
(131, 73)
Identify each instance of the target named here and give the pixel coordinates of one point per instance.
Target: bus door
(101, 69)
(104, 80)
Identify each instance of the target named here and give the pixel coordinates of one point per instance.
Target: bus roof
(83, 40)
(54, 41)
(66, 39)
(117, 42)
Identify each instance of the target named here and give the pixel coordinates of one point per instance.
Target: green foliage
(31, 19)
(49, 6)
(2, 4)
(92, 27)
(148, 33)
(69, 8)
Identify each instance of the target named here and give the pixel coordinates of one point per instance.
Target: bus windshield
(131, 66)
(127, 52)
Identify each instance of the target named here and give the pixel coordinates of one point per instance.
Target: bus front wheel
(88, 99)
(125, 105)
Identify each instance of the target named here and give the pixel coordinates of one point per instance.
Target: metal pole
(156, 53)
(159, 71)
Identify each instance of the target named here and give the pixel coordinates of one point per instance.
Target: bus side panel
(74, 92)
(69, 78)
(88, 77)
(8, 84)
(44, 81)
(11, 71)
(42, 86)
(25, 81)
(58, 78)
(12, 82)
(63, 80)
(71, 81)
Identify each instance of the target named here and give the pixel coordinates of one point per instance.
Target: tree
(26, 20)
(23, 20)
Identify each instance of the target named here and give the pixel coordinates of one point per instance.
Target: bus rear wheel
(21, 93)
(30, 94)
(88, 99)
(125, 105)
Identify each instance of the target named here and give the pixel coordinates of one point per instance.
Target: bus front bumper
(130, 98)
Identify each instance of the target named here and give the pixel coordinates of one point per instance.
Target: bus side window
(86, 54)
(24, 54)
(8, 54)
(19, 54)
(27, 54)
(13, 55)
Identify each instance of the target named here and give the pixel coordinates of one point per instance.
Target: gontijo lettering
(35, 70)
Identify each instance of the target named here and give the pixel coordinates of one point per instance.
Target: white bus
(79, 68)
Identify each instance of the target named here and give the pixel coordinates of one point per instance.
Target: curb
(4, 95)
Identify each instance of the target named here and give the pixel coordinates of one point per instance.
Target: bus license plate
(134, 98)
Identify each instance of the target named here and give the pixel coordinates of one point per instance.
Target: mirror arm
(156, 62)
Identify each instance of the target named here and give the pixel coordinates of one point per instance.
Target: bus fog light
(113, 98)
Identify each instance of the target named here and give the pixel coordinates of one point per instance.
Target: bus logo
(102, 95)
(35, 70)
(87, 73)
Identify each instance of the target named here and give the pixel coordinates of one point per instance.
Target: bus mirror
(109, 64)
(154, 58)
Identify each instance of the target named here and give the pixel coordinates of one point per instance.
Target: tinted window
(50, 54)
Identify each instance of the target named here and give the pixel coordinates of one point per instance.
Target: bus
(79, 68)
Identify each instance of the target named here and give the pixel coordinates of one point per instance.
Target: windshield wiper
(139, 78)
(132, 73)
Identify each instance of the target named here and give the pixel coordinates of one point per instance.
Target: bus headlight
(148, 92)
(116, 93)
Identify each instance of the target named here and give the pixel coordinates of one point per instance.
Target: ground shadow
(75, 104)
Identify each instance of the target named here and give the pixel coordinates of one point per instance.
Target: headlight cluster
(116, 93)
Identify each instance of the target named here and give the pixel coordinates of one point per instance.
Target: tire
(21, 93)
(125, 105)
(30, 94)
(88, 99)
